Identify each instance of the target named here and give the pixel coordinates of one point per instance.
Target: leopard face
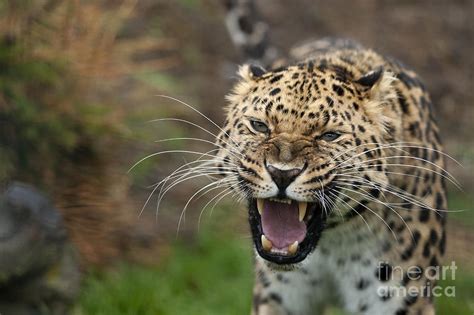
(291, 138)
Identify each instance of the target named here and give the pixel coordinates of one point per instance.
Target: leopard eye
(259, 126)
(330, 136)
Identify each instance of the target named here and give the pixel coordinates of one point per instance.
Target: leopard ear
(370, 78)
(251, 72)
(377, 88)
(377, 85)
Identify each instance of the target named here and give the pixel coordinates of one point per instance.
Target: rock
(39, 273)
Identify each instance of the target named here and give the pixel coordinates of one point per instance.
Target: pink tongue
(281, 225)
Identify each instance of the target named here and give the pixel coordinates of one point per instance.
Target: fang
(266, 244)
(260, 206)
(302, 206)
(293, 248)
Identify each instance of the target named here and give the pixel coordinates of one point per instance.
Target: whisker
(366, 195)
(178, 172)
(227, 190)
(182, 216)
(375, 213)
(450, 178)
(155, 188)
(218, 200)
(168, 152)
(323, 199)
(386, 172)
(196, 169)
(334, 206)
(235, 154)
(152, 193)
(395, 145)
(177, 182)
(352, 209)
(404, 195)
(234, 146)
(199, 112)
(454, 182)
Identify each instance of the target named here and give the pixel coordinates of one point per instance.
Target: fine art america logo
(414, 281)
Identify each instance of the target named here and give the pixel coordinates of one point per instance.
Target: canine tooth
(266, 244)
(260, 206)
(293, 248)
(302, 206)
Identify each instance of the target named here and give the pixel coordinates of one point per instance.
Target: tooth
(293, 248)
(267, 245)
(260, 205)
(302, 209)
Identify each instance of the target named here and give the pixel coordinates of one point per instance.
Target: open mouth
(285, 231)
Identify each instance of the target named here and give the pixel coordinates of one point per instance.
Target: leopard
(335, 150)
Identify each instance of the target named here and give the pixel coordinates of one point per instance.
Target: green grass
(212, 276)
(462, 205)
(463, 302)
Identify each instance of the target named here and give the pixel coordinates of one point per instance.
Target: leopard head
(292, 137)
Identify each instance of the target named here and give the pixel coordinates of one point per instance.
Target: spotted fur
(384, 176)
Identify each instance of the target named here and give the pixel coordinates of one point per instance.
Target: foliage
(68, 70)
(214, 277)
(42, 120)
(46, 116)
(61, 65)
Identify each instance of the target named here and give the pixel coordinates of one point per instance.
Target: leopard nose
(283, 178)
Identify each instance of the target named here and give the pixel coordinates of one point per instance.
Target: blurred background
(78, 89)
